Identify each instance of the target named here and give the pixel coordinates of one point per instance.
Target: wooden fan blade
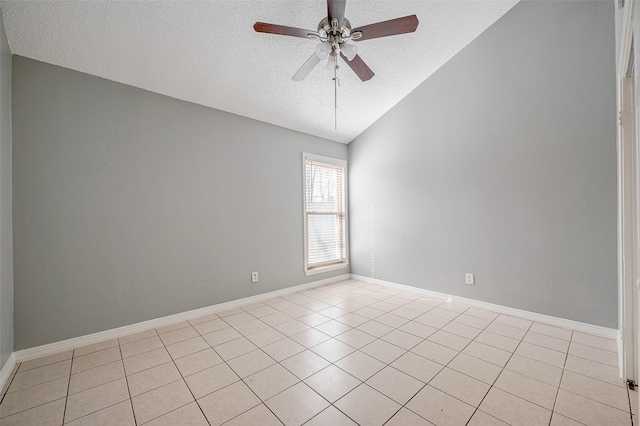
(407, 24)
(335, 9)
(263, 27)
(306, 68)
(358, 66)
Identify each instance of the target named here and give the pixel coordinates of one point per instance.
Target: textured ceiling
(207, 52)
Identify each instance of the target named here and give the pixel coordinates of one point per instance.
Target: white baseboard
(7, 368)
(596, 330)
(77, 342)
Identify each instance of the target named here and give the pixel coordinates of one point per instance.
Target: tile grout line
(66, 399)
(126, 380)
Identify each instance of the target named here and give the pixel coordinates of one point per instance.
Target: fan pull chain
(336, 83)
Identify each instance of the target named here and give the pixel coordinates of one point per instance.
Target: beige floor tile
(375, 328)
(95, 359)
(360, 365)
(180, 335)
(158, 402)
(435, 352)
(96, 376)
(455, 307)
(95, 347)
(203, 318)
(141, 346)
(594, 370)
(137, 336)
(279, 304)
(330, 416)
(332, 328)
(25, 399)
(402, 339)
(187, 347)
(146, 360)
(513, 410)
(95, 399)
(444, 313)
(297, 311)
(560, 420)
(472, 321)
(595, 341)
(527, 388)
(417, 366)
(40, 375)
(250, 327)
(229, 312)
(481, 313)
(219, 337)
(234, 348)
(332, 350)
(259, 415)
(587, 411)
(487, 353)
(496, 340)
(597, 390)
(548, 330)
(332, 383)
(449, 340)
(173, 327)
(310, 337)
(283, 349)
(406, 313)
(187, 415)
(333, 312)
(369, 312)
(239, 318)
(152, 378)
(249, 363)
(198, 361)
(535, 369)
(49, 414)
(481, 418)
(314, 319)
(475, 367)
(432, 320)
(275, 319)
(384, 306)
(465, 388)
(267, 310)
(418, 329)
(210, 380)
(228, 403)
(211, 326)
(392, 320)
(594, 354)
(506, 330)
(514, 322)
(40, 362)
(304, 364)
(270, 381)
(461, 330)
(548, 342)
(406, 417)
(297, 404)
(440, 408)
(291, 327)
(395, 384)
(352, 320)
(355, 338)
(265, 337)
(548, 356)
(367, 407)
(120, 414)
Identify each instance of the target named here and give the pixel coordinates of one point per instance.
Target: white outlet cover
(470, 279)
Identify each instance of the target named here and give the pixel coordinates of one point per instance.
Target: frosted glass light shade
(349, 50)
(323, 49)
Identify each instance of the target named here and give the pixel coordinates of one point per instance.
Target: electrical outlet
(470, 279)
(254, 277)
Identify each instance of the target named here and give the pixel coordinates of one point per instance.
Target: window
(324, 213)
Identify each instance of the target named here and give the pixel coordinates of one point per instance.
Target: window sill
(327, 268)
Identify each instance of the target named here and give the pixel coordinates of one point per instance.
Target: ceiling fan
(334, 32)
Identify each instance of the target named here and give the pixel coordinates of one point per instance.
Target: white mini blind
(324, 213)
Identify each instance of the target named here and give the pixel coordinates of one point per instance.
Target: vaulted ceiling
(207, 52)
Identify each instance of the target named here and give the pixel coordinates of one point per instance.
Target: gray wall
(6, 244)
(502, 164)
(130, 206)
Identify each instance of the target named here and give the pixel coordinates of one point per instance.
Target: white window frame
(333, 266)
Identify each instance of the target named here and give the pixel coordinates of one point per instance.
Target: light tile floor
(343, 354)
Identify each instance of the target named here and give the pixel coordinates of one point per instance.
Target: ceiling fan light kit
(333, 33)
